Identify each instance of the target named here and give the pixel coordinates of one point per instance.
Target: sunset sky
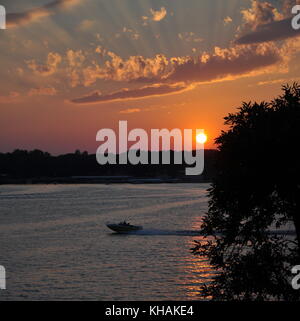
(72, 67)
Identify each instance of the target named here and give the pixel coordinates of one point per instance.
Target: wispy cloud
(130, 111)
(86, 25)
(12, 97)
(131, 94)
(42, 91)
(278, 81)
(133, 34)
(16, 97)
(189, 37)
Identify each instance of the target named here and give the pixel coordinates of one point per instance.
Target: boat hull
(124, 228)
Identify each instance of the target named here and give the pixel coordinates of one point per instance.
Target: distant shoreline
(102, 180)
(38, 167)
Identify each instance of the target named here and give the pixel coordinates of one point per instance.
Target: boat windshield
(124, 223)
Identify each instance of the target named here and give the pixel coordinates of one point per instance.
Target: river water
(54, 243)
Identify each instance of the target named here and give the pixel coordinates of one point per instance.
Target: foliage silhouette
(38, 166)
(256, 189)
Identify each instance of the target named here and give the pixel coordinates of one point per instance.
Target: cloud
(17, 97)
(69, 64)
(156, 15)
(259, 13)
(278, 81)
(227, 20)
(134, 35)
(287, 5)
(189, 37)
(12, 97)
(42, 91)
(188, 71)
(21, 18)
(263, 23)
(222, 63)
(86, 25)
(219, 65)
(130, 111)
(49, 68)
(135, 68)
(75, 60)
(169, 75)
(277, 30)
(238, 60)
(131, 94)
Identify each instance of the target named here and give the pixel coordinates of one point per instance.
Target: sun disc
(201, 138)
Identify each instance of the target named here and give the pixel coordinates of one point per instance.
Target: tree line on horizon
(23, 164)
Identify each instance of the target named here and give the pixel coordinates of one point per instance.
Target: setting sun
(201, 138)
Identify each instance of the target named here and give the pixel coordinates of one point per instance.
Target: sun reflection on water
(197, 269)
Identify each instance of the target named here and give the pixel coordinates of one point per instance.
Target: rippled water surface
(55, 245)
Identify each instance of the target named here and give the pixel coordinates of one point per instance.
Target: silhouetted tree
(21, 166)
(256, 189)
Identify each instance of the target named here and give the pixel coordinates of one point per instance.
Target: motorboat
(124, 227)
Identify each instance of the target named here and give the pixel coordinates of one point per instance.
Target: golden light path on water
(197, 269)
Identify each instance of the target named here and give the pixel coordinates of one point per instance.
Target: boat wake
(164, 232)
(190, 232)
